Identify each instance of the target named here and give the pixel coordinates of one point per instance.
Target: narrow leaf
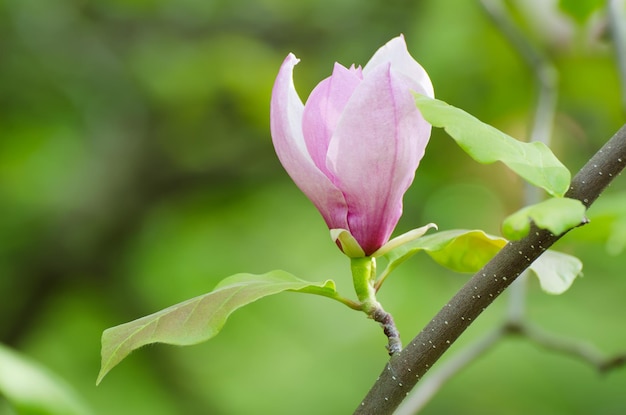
(32, 389)
(556, 215)
(200, 318)
(532, 161)
(403, 239)
(556, 271)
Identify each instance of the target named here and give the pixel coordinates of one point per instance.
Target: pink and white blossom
(353, 148)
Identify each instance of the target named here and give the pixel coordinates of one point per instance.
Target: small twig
(391, 331)
(617, 24)
(579, 349)
(363, 278)
(543, 69)
(448, 369)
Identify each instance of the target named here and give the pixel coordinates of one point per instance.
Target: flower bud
(353, 148)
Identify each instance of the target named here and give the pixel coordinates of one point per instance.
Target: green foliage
(460, 250)
(33, 390)
(469, 250)
(556, 214)
(532, 161)
(198, 319)
(556, 271)
(608, 215)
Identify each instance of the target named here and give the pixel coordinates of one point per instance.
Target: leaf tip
(515, 230)
(111, 352)
(105, 368)
(101, 375)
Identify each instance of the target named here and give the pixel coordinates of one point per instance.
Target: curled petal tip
(349, 245)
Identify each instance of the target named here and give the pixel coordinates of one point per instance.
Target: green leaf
(532, 161)
(556, 215)
(608, 215)
(460, 250)
(556, 271)
(32, 389)
(200, 318)
(469, 250)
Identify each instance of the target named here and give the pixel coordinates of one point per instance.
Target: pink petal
(323, 110)
(286, 126)
(374, 153)
(396, 53)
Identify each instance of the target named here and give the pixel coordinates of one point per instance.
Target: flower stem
(364, 277)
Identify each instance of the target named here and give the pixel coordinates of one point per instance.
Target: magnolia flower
(353, 148)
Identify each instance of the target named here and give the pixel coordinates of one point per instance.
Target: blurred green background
(137, 170)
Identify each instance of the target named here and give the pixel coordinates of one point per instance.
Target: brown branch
(577, 348)
(406, 368)
(432, 384)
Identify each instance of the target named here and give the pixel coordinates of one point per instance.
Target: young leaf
(200, 318)
(31, 389)
(460, 250)
(608, 215)
(556, 271)
(532, 161)
(556, 215)
(468, 251)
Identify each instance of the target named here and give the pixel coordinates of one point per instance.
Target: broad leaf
(32, 389)
(532, 161)
(608, 215)
(556, 215)
(556, 271)
(460, 250)
(469, 250)
(198, 319)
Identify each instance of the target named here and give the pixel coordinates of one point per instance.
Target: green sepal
(403, 239)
